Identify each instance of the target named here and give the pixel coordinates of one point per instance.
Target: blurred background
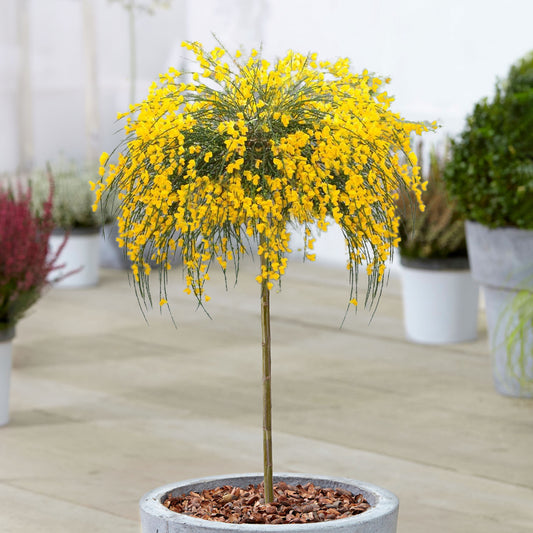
(68, 66)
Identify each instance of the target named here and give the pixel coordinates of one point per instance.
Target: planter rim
(7, 334)
(77, 231)
(500, 257)
(494, 229)
(383, 502)
(444, 263)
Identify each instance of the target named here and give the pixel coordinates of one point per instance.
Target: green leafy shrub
(437, 232)
(490, 174)
(516, 323)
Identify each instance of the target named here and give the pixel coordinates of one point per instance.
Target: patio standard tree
(218, 164)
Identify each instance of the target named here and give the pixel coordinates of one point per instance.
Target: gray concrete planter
(381, 518)
(502, 262)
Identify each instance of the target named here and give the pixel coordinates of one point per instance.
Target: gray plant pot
(381, 518)
(111, 256)
(501, 260)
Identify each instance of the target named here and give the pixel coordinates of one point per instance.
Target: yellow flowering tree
(218, 163)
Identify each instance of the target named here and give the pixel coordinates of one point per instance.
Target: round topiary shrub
(490, 174)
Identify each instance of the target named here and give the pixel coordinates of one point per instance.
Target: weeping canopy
(221, 161)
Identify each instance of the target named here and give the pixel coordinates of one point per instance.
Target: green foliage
(490, 174)
(437, 232)
(72, 196)
(517, 323)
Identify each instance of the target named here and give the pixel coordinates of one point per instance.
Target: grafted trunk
(267, 395)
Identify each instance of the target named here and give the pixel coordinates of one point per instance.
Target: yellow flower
(211, 166)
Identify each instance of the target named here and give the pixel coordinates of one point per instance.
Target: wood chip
(293, 504)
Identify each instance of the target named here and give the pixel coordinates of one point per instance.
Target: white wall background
(442, 57)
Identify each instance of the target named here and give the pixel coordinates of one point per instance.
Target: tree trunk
(267, 397)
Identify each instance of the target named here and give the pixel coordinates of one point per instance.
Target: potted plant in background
(25, 266)
(218, 166)
(73, 216)
(514, 334)
(490, 176)
(440, 297)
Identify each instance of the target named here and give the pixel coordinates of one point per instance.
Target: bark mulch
(293, 504)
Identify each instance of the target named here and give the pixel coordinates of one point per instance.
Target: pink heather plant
(25, 264)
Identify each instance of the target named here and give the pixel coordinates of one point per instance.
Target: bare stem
(267, 396)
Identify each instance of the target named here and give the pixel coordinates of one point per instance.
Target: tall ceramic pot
(382, 517)
(6, 360)
(80, 255)
(502, 262)
(440, 300)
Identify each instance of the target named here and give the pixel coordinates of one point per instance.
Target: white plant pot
(80, 254)
(382, 517)
(440, 304)
(6, 357)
